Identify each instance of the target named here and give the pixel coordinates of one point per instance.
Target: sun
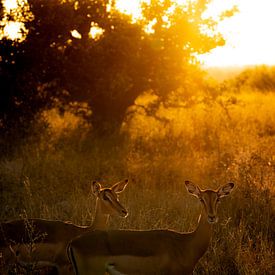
(248, 34)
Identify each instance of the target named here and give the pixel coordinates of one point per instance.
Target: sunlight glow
(76, 34)
(95, 31)
(10, 4)
(249, 33)
(13, 30)
(13, 27)
(150, 27)
(130, 7)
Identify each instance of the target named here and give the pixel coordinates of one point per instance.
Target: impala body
(52, 236)
(148, 252)
(133, 253)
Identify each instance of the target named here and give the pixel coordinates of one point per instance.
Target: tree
(28, 77)
(110, 71)
(126, 60)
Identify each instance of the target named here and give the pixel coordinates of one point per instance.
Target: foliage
(54, 67)
(260, 78)
(227, 138)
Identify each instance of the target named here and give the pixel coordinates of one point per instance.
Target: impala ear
(120, 186)
(192, 188)
(225, 189)
(96, 188)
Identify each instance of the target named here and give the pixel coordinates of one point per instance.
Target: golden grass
(230, 139)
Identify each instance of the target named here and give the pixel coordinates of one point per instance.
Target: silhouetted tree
(53, 65)
(28, 80)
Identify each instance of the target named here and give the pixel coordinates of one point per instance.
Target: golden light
(13, 30)
(95, 31)
(150, 27)
(9, 4)
(76, 34)
(249, 33)
(131, 7)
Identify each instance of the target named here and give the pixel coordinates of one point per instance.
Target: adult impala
(51, 248)
(148, 252)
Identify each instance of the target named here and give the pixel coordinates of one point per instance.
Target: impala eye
(218, 199)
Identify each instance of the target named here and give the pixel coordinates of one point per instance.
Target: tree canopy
(61, 60)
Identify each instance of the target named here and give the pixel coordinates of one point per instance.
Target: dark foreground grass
(51, 179)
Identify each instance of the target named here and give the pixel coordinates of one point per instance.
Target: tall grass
(230, 139)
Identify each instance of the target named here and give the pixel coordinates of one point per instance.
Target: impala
(148, 252)
(51, 248)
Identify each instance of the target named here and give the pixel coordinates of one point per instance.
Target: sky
(249, 33)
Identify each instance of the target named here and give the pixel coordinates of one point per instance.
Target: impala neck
(101, 220)
(202, 235)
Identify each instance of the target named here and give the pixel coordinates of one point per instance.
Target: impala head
(107, 198)
(209, 198)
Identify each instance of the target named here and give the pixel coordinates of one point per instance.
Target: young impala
(148, 252)
(51, 248)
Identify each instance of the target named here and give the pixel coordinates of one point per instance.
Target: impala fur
(148, 252)
(51, 247)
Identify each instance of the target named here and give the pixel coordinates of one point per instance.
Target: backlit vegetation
(224, 136)
(89, 93)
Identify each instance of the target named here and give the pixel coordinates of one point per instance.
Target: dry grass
(231, 139)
